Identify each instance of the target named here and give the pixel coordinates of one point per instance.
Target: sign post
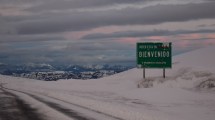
(144, 73)
(164, 73)
(154, 55)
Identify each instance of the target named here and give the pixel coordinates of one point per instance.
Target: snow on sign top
(154, 55)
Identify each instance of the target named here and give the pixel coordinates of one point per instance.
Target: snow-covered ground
(187, 92)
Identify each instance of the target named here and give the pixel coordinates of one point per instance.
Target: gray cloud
(35, 32)
(72, 53)
(29, 38)
(77, 4)
(204, 25)
(77, 21)
(144, 33)
(99, 46)
(21, 57)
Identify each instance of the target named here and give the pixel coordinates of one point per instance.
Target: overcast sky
(100, 31)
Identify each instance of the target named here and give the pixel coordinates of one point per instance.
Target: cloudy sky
(100, 31)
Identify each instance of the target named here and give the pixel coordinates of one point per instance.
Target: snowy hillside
(187, 93)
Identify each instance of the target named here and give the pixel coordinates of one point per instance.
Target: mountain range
(7, 69)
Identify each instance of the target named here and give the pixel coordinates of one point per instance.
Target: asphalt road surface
(12, 108)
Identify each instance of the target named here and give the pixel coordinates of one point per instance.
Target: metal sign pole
(144, 74)
(164, 73)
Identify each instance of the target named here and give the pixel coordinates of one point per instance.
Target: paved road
(10, 103)
(12, 108)
(73, 111)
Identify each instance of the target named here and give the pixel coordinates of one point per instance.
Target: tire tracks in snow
(13, 108)
(72, 113)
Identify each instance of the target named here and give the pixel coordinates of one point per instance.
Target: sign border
(138, 65)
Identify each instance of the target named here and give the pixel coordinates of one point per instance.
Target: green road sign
(154, 55)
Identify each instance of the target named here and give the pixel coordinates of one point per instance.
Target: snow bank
(195, 69)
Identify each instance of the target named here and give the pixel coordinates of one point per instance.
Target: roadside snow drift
(187, 92)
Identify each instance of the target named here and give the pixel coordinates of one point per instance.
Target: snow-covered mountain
(83, 68)
(187, 92)
(42, 66)
(7, 69)
(1, 64)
